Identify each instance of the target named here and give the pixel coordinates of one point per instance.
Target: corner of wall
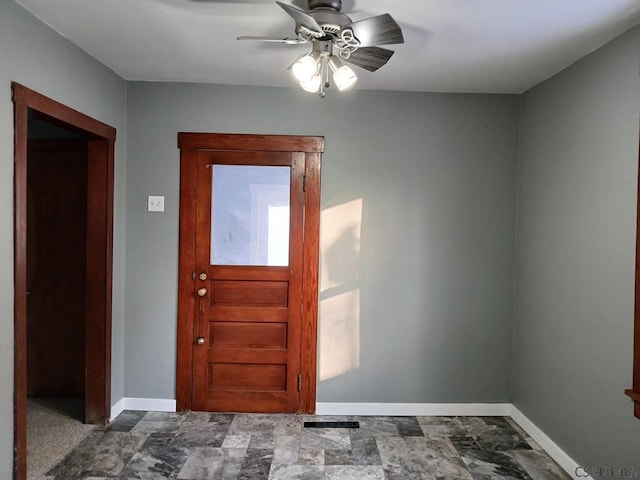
(514, 321)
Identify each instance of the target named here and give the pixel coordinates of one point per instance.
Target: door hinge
(299, 382)
(193, 276)
(304, 183)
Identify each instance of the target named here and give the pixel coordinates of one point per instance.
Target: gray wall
(419, 202)
(575, 261)
(35, 56)
(425, 314)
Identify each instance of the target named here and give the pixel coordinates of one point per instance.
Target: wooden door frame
(101, 142)
(634, 392)
(189, 145)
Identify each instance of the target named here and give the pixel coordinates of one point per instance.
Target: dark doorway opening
(57, 161)
(63, 255)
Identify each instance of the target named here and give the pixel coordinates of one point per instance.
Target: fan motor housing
(332, 4)
(328, 16)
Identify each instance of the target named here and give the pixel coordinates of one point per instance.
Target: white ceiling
(495, 46)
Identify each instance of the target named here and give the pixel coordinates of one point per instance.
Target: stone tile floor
(214, 446)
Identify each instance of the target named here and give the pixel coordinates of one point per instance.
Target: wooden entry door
(249, 235)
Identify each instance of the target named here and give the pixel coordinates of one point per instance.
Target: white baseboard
(149, 404)
(116, 409)
(414, 409)
(567, 463)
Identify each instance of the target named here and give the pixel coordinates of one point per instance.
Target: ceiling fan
(334, 38)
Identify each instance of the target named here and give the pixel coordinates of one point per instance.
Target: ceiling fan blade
(302, 18)
(287, 41)
(370, 58)
(378, 30)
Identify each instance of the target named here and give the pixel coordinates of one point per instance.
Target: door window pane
(250, 215)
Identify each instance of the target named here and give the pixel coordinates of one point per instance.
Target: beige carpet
(52, 431)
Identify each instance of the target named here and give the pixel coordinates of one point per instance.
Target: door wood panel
(247, 292)
(254, 320)
(250, 334)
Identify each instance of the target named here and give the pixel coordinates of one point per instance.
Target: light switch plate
(155, 204)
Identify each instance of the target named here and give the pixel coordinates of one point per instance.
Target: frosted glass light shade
(344, 77)
(312, 85)
(305, 68)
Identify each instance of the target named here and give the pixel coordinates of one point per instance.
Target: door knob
(200, 340)
(202, 292)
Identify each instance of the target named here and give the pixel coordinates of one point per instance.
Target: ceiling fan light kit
(328, 30)
(313, 85)
(306, 66)
(343, 76)
(311, 70)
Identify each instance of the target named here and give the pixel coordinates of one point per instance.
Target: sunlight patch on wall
(339, 326)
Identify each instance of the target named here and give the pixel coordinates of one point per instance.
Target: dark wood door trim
(101, 139)
(310, 285)
(190, 144)
(634, 392)
(240, 141)
(186, 282)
